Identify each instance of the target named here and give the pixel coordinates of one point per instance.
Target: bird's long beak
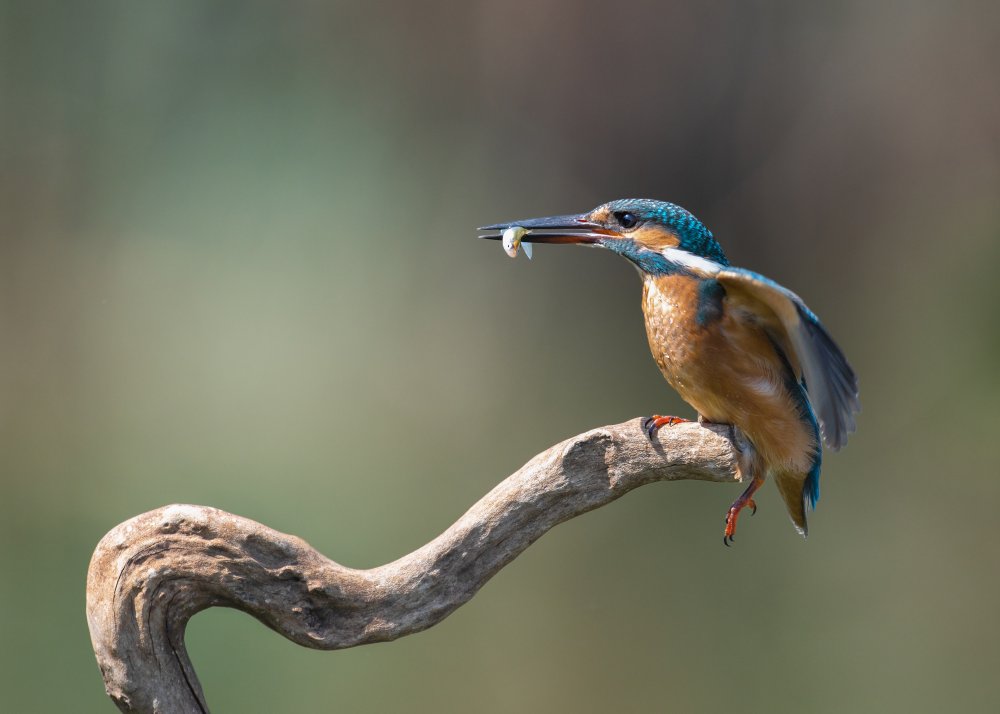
(553, 229)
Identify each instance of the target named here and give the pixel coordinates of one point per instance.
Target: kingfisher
(739, 348)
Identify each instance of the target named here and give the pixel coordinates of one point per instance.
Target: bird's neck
(668, 261)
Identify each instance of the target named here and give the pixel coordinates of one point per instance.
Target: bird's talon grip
(652, 424)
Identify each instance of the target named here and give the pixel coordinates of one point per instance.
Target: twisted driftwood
(150, 574)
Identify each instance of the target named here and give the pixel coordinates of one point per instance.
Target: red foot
(652, 424)
(745, 499)
(734, 513)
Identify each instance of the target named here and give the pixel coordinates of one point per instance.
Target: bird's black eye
(626, 220)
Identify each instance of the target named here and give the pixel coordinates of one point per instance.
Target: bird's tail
(799, 494)
(790, 486)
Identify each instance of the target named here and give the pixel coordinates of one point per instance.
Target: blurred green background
(238, 267)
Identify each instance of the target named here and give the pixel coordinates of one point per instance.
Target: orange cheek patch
(654, 237)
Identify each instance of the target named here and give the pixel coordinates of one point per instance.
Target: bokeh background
(238, 267)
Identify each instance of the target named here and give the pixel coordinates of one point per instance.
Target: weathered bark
(150, 574)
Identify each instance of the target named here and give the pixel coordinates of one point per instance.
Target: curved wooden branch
(150, 574)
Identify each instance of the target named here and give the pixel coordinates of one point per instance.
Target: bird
(739, 348)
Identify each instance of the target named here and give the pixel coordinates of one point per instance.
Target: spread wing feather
(826, 374)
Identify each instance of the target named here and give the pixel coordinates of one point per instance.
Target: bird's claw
(652, 424)
(730, 533)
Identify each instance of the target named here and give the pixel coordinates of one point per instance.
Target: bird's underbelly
(728, 370)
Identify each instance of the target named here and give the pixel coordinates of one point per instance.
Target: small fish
(512, 241)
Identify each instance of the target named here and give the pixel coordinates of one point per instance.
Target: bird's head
(655, 235)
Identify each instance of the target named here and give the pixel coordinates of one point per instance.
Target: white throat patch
(702, 266)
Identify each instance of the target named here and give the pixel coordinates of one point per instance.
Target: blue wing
(819, 363)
